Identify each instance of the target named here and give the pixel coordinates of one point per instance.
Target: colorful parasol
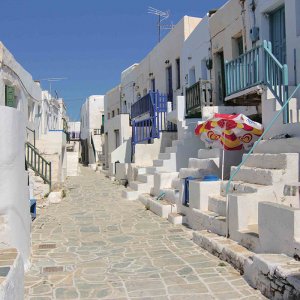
(230, 132)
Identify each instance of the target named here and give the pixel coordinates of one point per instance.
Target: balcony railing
(244, 72)
(197, 96)
(142, 106)
(155, 104)
(258, 66)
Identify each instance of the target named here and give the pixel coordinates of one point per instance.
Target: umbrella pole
(223, 154)
(223, 159)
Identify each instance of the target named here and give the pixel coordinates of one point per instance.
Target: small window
(113, 114)
(10, 96)
(118, 111)
(102, 120)
(178, 73)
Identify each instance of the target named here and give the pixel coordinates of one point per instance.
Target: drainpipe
(242, 3)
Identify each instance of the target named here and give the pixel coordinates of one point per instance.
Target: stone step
(176, 143)
(176, 184)
(158, 163)
(196, 173)
(161, 208)
(267, 161)
(168, 165)
(171, 195)
(241, 187)
(209, 153)
(171, 149)
(152, 170)
(164, 155)
(211, 164)
(130, 194)
(209, 220)
(177, 218)
(217, 204)
(146, 178)
(258, 175)
(140, 186)
(250, 237)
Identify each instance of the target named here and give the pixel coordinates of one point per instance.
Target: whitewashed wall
(195, 52)
(14, 193)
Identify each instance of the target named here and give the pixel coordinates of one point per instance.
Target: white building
(74, 130)
(92, 128)
(20, 99)
(27, 118)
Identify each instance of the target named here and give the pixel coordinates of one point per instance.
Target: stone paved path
(94, 245)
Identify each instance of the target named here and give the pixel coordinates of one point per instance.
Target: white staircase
(169, 185)
(172, 160)
(262, 178)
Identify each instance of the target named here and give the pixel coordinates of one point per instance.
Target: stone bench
(11, 274)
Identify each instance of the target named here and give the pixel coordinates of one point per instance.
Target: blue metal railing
(245, 158)
(155, 105)
(142, 106)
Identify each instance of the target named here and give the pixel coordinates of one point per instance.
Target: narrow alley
(95, 245)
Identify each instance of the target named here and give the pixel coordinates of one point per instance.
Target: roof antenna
(162, 16)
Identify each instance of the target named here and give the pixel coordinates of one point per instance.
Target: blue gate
(149, 118)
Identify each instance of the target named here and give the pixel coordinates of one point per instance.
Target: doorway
(278, 34)
(169, 84)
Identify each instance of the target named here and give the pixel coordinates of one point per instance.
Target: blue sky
(90, 42)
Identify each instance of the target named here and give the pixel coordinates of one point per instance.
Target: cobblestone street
(95, 245)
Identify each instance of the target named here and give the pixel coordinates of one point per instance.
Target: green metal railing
(198, 95)
(32, 131)
(245, 158)
(37, 163)
(244, 72)
(258, 66)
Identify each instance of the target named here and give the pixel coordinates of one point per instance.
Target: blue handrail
(245, 158)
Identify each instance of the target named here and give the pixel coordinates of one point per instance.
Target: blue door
(278, 34)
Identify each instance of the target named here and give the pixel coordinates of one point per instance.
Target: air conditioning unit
(254, 34)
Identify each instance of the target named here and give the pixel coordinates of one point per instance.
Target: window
(118, 111)
(153, 84)
(192, 76)
(117, 138)
(237, 46)
(102, 120)
(113, 114)
(10, 96)
(178, 73)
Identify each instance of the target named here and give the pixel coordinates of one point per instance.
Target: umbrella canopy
(230, 132)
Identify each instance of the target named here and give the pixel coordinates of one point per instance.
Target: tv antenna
(162, 16)
(50, 80)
